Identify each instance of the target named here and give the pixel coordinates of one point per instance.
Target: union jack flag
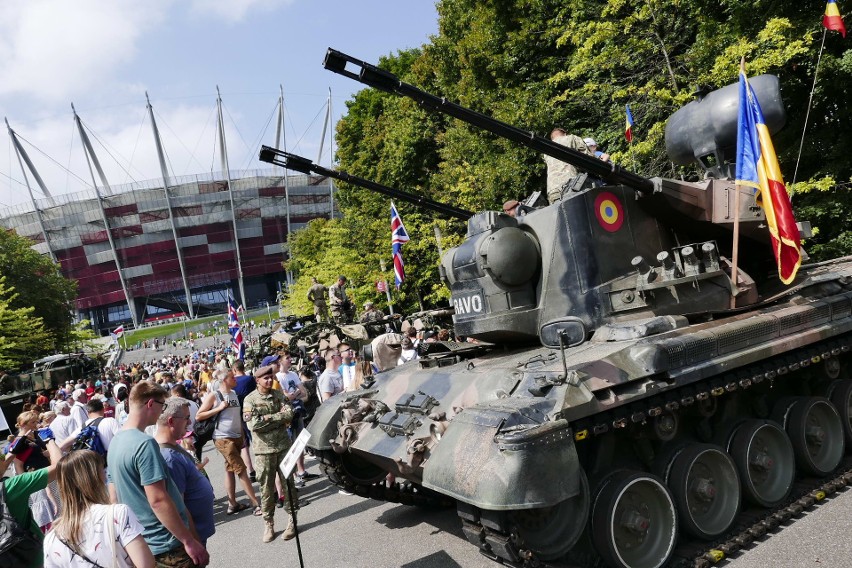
(234, 328)
(399, 236)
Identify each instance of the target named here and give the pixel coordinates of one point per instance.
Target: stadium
(172, 246)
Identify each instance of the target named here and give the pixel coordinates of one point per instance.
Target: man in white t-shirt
(78, 410)
(107, 427)
(64, 423)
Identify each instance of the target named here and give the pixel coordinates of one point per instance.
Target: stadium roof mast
(92, 160)
(281, 142)
(165, 174)
(328, 119)
(23, 157)
(223, 154)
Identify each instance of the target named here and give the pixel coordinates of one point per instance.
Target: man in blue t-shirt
(187, 475)
(139, 478)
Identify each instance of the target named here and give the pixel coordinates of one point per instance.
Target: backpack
(89, 438)
(18, 546)
(204, 428)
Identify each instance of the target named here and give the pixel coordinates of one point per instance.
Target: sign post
(286, 467)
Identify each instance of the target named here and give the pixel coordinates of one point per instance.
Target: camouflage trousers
(321, 312)
(267, 466)
(175, 558)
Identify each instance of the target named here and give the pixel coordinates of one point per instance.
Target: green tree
(23, 336)
(39, 284)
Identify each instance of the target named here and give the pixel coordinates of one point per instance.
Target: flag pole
(735, 255)
(736, 252)
(810, 102)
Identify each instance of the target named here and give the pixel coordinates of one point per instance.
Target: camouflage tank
(625, 395)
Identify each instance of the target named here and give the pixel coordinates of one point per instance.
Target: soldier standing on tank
(559, 173)
(340, 305)
(316, 295)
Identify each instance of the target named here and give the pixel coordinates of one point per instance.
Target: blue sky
(103, 56)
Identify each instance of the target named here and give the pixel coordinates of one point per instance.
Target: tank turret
(618, 245)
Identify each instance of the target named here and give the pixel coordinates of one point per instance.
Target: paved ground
(338, 530)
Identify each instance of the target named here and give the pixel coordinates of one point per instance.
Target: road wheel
(706, 488)
(765, 461)
(634, 521)
(840, 395)
(551, 532)
(816, 431)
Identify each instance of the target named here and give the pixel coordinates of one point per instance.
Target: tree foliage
(576, 63)
(40, 285)
(23, 336)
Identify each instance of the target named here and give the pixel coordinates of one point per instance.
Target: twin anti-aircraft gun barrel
(306, 166)
(372, 76)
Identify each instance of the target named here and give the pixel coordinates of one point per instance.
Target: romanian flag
(628, 128)
(757, 166)
(832, 20)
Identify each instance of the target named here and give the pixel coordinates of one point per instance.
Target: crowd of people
(142, 497)
(148, 500)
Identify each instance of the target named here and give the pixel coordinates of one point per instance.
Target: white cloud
(234, 11)
(54, 49)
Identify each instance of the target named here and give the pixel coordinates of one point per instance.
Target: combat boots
(269, 533)
(290, 531)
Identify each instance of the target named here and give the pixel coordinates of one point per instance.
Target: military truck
(48, 373)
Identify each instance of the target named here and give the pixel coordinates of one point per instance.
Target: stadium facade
(141, 246)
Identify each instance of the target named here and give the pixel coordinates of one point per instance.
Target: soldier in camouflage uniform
(267, 413)
(316, 295)
(560, 173)
(371, 313)
(341, 307)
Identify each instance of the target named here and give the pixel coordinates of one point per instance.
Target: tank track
(405, 493)
(750, 525)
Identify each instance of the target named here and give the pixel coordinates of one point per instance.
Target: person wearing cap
(371, 313)
(78, 410)
(267, 413)
(340, 304)
(316, 295)
(560, 173)
(593, 148)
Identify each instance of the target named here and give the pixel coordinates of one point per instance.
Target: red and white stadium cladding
(138, 218)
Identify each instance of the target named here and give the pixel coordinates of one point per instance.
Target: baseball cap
(269, 359)
(590, 141)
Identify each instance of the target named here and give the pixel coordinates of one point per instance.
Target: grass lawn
(166, 329)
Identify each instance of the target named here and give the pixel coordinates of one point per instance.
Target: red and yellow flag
(832, 20)
(757, 166)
